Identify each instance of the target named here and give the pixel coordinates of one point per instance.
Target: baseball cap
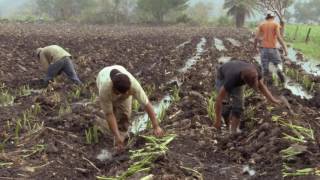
(270, 14)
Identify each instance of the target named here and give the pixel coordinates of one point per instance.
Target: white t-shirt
(108, 98)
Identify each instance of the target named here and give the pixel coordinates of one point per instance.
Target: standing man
(268, 34)
(116, 87)
(231, 77)
(55, 60)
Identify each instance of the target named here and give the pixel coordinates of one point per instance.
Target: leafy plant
(144, 157)
(24, 90)
(175, 94)
(135, 105)
(92, 135)
(6, 98)
(210, 105)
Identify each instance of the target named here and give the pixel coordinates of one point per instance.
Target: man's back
(268, 31)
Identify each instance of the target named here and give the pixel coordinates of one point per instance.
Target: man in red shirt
(268, 34)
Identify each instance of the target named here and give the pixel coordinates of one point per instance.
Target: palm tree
(240, 10)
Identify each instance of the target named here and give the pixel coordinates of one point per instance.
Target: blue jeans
(269, 55)
(63, 65)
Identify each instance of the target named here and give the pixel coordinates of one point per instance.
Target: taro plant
(6, 98)
(24, 90)
(135, 105)
(92, 135)
(34, 150)
(175, 94)
(144, 157)
(17, 130)
(289, 172)
(210, 105)
(162, 113)
(149, 89)
(65, 109)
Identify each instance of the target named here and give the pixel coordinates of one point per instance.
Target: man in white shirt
(116, 87)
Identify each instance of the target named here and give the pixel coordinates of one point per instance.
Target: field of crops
(59, 132)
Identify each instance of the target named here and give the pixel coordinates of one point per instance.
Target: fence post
(295, 33)
(308, 35)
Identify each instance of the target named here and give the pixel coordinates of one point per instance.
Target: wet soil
(151, 54)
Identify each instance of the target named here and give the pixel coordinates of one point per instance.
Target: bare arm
(281, 41)
(152, 115)
(218, 106)
(113, 125)
(265, 91)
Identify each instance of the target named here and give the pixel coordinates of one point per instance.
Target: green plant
(34, 150)
(24, 90)
(162, 113)
(135, 105)
(210, 105)
(65, 109)
(144, 157)
(17, 130)
(92, 135)
(175, 94)
(6, 98)
(149, 89)
(289, 172)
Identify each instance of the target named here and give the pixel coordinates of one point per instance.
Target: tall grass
(310, 49)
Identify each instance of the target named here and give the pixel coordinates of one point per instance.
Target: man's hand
(158, 132)
(120, 143)
(285, 51)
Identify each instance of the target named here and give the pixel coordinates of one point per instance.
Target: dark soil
(150, 54)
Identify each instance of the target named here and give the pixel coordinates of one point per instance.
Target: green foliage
(210, 105)
(224, 21)
(296, 34)
(65, 110)
(135, 105)
(144, 157)
(158, 9)
(92, 135)
(307, 11)
(240, 9)
(175, 94)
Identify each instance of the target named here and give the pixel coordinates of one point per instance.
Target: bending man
(55, 60)
(116, 87)
(231, 77)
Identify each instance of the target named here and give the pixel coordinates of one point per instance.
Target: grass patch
(296, 34)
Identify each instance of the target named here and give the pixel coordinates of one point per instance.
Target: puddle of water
(218, 43)
(224, 59)
(140, 123)
(234, 42)
(310, 65)
(193, 60)
(183, 44)
(295, 88)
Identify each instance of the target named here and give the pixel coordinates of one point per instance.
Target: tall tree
(307, 12)
(200, 12)
(159, 8)
(279, 7)
(240, 10)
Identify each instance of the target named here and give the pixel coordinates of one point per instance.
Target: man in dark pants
(231, 77)
(56, 60)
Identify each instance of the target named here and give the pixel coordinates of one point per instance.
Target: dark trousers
(63, 65)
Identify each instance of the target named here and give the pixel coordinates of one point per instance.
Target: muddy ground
(42, 133)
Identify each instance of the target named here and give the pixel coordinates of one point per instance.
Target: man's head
(250, 77)
(37, 52)
(270, 15)
(121, 82)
